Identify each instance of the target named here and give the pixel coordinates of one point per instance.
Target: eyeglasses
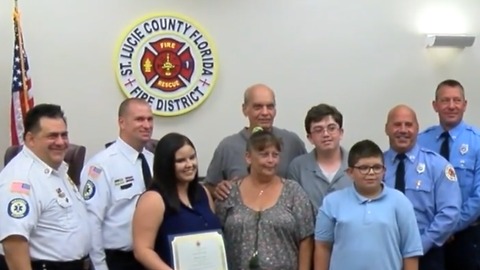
(366, 169)
(329, 129)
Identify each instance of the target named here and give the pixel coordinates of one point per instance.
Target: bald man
(427, 179)
(228, 160)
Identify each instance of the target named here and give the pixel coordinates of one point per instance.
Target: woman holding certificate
(175, 204)
(268, 221)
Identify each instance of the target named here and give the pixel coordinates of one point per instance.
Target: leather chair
(75, 158)
(150, 146)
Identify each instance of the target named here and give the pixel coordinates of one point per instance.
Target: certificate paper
(199, 251)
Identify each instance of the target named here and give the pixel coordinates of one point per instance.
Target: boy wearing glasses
(367, 225)
(322, 171)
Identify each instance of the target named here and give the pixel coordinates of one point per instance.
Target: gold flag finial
(16, 14)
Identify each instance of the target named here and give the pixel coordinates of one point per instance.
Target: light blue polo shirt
(368, 233)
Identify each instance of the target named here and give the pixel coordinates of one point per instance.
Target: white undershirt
(330, 174)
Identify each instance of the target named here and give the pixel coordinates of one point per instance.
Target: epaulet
(433, 154)
(429, 151)
(427, 130)
(21, 169)
(103, 155)
(473, 129)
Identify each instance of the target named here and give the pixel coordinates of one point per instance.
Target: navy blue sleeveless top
(186, 220)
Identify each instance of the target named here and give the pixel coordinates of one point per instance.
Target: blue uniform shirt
(465, 158)
(432, 187)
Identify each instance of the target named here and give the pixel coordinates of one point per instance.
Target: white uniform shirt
(111, 183)
(44, 206)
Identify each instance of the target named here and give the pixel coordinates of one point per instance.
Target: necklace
(265, 188)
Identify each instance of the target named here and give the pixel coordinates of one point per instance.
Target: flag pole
(16, 17)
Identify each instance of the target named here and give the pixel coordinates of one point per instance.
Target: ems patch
(94, 172)
(450, 173)
(18, 208)
(88, 190)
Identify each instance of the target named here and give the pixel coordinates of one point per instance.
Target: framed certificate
(199, 251)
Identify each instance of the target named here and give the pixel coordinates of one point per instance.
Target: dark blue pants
(464, 251)
(122, 260)
(432, 260)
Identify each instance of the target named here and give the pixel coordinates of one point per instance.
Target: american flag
(20, 187)
(22, 98)
(94, 172)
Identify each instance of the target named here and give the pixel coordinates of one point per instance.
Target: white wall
(362, 56)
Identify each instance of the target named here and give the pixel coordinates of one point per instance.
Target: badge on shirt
(421, 167)
(18, 208)
(126, 186)
(464, 149)
(119, 182)
(129, 179)
(88, 190)
(450, 173)
(60, 193)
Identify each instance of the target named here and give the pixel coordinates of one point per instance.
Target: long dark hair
(164, 178)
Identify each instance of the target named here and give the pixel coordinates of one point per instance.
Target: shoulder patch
(89, 190)
(20, 187)
(94, 172)
(450, 173)
(18, 208)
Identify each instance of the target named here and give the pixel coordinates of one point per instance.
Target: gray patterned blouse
(280, 228)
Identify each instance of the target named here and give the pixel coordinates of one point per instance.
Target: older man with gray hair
(228, 160)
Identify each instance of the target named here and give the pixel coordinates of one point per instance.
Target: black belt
(51, 265)
(47, 265)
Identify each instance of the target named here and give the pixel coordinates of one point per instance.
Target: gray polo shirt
(305, 170)
(229, 162)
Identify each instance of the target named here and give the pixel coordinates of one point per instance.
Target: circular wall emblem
(169, 61)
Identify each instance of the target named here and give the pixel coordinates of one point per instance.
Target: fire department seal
(450, 173)
(169, 61)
